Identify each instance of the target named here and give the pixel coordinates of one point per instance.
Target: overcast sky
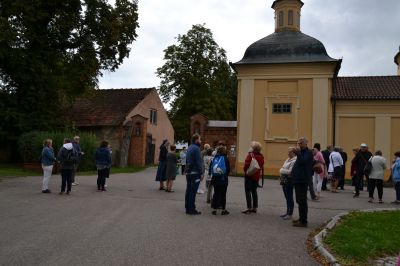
(365, 33)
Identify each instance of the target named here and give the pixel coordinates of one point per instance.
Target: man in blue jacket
(194, 174)
(302, 173)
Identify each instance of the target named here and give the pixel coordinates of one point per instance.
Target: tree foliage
(196, 78)
(53, 51)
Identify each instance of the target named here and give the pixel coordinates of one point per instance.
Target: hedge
(30, 146)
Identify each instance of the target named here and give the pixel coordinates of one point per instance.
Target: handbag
(254, 166)
(317, 167)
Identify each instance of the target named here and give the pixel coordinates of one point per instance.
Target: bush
(30, 146)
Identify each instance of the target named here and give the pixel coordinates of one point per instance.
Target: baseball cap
(363, 145)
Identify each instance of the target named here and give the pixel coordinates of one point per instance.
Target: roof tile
(107, 107)
(368, 88)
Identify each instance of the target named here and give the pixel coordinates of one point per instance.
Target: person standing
(207, 162)
(194, 171)
(287, 182)
(219, 171)
(319, 169)
(162, 165)
(47, 160)
(326, 154)
(67, 157)
(301, 174)
(362, 158)
(377, 175)
(172, 162)
(343, 177)
(396, 176)
(251, 182)
(182, 156)
(354, 168)
(335, 168)
(203, 153)
(103, 161)
(77, 148)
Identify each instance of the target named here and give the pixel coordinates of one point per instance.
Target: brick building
(214, 131)
(134, 121)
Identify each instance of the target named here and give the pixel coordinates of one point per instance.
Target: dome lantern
(287, 15)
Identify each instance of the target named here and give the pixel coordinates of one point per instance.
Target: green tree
(53, 51)
(196, 78)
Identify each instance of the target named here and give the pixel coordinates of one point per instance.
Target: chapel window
(281, 18)
(153, 116)
(282, 108)
(290, 17)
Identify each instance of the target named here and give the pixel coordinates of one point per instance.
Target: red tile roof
(107, 107)
(368, 88)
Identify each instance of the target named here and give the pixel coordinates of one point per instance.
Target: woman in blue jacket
(103, 162)
(396, 177)
(47, 160)
(219, 171)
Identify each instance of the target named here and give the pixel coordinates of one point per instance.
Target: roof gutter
(338, 66)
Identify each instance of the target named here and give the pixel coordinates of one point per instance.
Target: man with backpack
(68, 158)
(194, 174)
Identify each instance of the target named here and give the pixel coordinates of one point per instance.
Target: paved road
(135, 224)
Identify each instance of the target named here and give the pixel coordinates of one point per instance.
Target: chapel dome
(286, 47)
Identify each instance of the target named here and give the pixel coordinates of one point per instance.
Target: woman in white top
(335, 168)
(376, 176)
(207, 159)
(287, 183)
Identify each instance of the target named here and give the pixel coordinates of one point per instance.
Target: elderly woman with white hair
(251, 181)
(286, 182)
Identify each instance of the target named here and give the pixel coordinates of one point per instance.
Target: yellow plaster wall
(376, 123)
(259, 86)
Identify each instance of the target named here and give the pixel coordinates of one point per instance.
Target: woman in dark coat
(171, 168)
(162, 165)
(103, 162)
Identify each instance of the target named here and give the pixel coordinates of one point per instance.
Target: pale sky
(365, 33)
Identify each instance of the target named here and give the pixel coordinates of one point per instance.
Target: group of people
(305, 170)
(69, 156)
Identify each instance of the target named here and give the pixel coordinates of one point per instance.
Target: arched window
(290, 17)
(281, 18)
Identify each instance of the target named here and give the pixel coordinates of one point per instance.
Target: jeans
(371, 187)
(250, 188)
(47, 170)
(219, 197)
(397, 188)
(358, 180)
(288, 192)
(183, 169)
(66, 179)
(209, 186)
(311, 188)
(301, 199)
(101, 177)
(192, 184)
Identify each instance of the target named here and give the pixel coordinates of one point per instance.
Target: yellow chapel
(288, 87)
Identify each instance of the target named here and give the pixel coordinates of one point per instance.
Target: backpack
(218, 167)
(72, 156)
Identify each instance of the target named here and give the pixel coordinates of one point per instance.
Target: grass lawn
(362, 237)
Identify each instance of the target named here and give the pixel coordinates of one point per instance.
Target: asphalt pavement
(133, 223)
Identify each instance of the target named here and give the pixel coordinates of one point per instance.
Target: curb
(318, 240)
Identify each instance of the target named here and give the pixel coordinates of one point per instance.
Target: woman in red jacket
(251, 182)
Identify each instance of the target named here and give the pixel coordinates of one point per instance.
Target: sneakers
(246, 211)
(395, 202)
(214, 212)
(371, 200)
(356, 195)
(200, 191)
(75, 183)
(46, 191)
(287, 217)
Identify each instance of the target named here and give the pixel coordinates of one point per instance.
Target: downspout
(339, 64)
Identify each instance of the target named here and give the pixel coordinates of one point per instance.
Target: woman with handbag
(287, 183)
(254, 170)
(319, 168)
